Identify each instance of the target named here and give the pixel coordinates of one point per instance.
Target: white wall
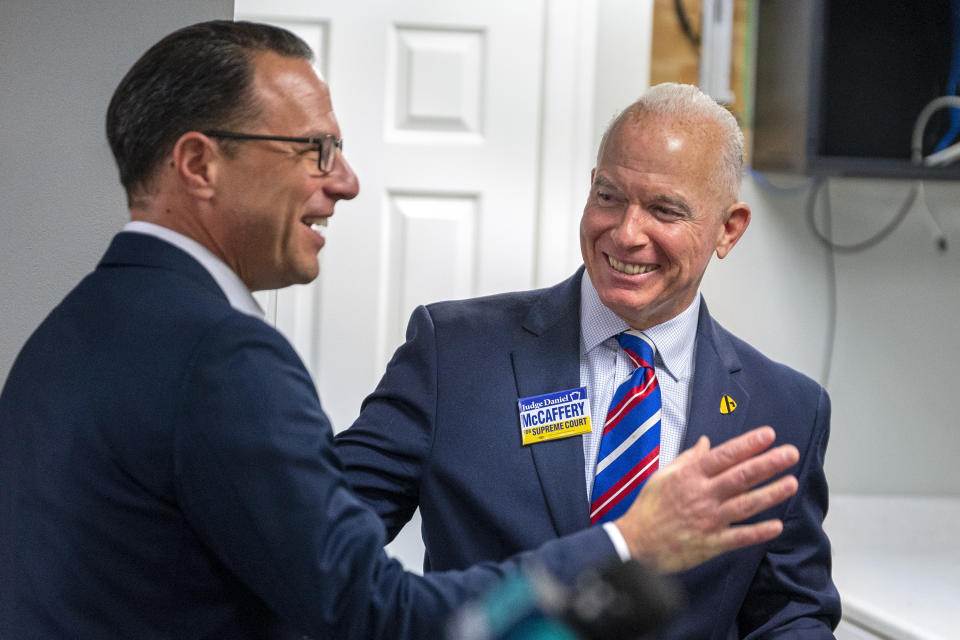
(893, 381)
(60, 198)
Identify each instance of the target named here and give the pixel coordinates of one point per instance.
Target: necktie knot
(639, 349)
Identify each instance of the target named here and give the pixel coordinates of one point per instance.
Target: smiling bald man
(456, 426)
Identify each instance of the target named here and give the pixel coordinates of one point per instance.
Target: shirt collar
(675, 339)
(232, 286)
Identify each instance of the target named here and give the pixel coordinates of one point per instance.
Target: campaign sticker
(551, 416)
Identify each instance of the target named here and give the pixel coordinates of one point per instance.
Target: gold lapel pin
(727, 405)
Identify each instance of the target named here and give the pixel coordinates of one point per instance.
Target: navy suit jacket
(168, 472)
(442, 432)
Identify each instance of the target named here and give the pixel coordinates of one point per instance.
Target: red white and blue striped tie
(630, 444)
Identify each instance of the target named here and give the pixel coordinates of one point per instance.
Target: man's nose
(633, 227)
(342, 182)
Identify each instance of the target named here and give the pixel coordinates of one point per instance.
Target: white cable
(944, 156)
(916, 146)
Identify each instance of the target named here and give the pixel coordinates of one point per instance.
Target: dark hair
(196, 78)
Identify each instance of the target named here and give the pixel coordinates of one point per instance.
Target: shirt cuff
(619, 542)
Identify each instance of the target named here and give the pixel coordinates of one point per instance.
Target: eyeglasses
(325, 144)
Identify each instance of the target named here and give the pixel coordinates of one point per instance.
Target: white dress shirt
(232, 286)
(604, 366)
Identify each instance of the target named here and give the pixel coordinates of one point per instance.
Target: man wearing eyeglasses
(168, 471)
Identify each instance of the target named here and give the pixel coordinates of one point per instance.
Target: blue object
(953, 82)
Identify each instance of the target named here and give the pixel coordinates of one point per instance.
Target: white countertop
(896, 563)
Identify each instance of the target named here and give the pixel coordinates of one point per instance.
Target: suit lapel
(549, 360)
(714, 376)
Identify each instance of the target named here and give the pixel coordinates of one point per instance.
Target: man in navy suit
(168, 471)
(447, 430)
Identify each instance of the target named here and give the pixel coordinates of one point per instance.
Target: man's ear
(196, 160)
(736, 219)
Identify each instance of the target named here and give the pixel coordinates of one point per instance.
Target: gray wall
(893, 380)
(60, 200)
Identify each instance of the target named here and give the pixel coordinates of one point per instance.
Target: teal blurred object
(621, 601)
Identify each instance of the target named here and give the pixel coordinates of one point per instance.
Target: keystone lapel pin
(727, 405)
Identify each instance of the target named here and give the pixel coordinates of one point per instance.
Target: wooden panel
(676, 59)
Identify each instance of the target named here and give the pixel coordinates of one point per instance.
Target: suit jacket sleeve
(259, 483)
(792, 594)
(384, 452)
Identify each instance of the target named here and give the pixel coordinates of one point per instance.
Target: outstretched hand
(683, 515)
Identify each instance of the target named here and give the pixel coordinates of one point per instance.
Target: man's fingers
(695, 453)
(754, 471)
(748, 534)
(753, 502)
(736, 450)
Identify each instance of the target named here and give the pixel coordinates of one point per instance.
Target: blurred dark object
(621, 601)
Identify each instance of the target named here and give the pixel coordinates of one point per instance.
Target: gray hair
(686, 104)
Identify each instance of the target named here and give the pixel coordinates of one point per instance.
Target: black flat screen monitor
(868, 68)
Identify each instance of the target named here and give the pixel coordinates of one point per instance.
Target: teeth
(320, 224)
(630, 269)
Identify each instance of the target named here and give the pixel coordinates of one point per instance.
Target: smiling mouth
(319, 225)
(631, 269)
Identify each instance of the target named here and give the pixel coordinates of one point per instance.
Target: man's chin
(634, 309)
(302, 275)
(306, 277)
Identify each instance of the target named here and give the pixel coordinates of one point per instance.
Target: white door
(471, 182)
(446, 152)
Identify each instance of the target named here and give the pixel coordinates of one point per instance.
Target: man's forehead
(673, 131)
(696, 142)
(291, 88)
(274, 72)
